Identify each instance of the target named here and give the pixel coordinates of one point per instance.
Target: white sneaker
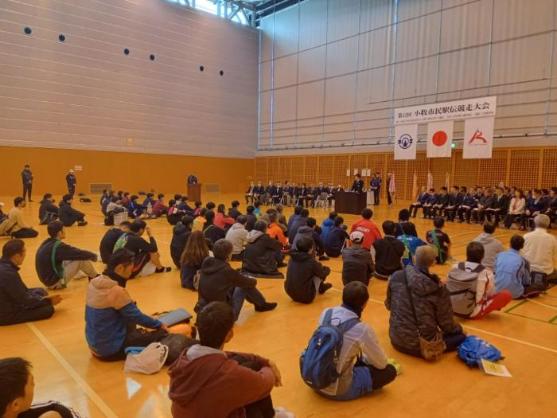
(281, 412)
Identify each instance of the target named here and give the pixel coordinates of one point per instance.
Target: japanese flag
(439, 139)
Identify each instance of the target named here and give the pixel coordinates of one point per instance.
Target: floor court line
(91, 394)
(494, 334)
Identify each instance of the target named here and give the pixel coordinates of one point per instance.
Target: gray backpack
(461, 285)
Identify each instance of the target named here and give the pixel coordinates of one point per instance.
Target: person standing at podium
(192, 179)
(358, 185)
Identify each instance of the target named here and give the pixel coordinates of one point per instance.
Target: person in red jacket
(207, 382)
(367, 227)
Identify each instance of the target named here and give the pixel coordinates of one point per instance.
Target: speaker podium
(194, 192)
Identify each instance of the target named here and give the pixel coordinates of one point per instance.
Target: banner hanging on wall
(439, 139)
(478, 138)
(406, 138)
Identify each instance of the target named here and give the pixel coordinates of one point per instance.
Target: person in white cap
(357, 264)
(71, 181)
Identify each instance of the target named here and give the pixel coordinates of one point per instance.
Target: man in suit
(71, 181)
(192, 179)
(375, 185)
(27, 180)
(358, 185)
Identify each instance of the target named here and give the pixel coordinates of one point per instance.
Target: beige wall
(86, 94)
(333, 71)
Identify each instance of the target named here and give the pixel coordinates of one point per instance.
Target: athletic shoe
(323, 287)
(267, 306)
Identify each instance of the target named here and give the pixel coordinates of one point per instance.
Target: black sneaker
(163, 270)
(82, 223)
(267, 306)
(323, 287)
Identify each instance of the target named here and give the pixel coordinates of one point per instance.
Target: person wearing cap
(305, 276)
(112, 317)
(388, 252)
(357, 263)
(27, 180)
(14, 225)
(58, 263)
(18, 303)
(540, 250)
(68, 215)
(368, 228)
(71, 181)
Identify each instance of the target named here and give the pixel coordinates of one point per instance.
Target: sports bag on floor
(474, 349)
(318, 362)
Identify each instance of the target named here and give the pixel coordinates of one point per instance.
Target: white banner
(478, 138)
(459, 109)
(406, 138)
(439, 139)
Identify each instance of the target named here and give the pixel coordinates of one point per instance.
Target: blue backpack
(474, 349)
(318, 362)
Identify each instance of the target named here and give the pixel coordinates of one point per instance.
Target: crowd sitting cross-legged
(222, 255)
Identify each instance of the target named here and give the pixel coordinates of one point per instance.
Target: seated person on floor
(492, 246)
(135, 209)
(310, 231)
(68, 215)
(14, 225)
(180, 234)
(540, 249)
(159, 208)
(366, 226)
(48, 211)
(18, 303)
(208, 382)
(439, 240)
(296, 221)
(251, 218)
(388, 252)
(108, 241)
(219, 282)
(262, 255)
(327, 225)
(17, 389)
(195, 252)
(113, 208)
(362, 363)
(58, 263)
(238, 236)
(234, 212)
(336, 239)
(147, 258)
(275, 230)
(200, 220)
(512, 272)
(411, 244)
(472, 286)
(415, 293)
(404, 219)
(221, 219)
(305, 276)
(357, 263)
(212, 232)
(112, 317)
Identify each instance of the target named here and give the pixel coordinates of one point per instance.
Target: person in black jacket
(68, 215)
(334, 243)
(212, 232)
(48, 211)
(110, 238)
(305, 275)
(58, 263)
(262, 255)
(147, 257)
(404, 218)
(18, 303)
(27, 180)
(234, 212)
(388, 252)
(180, 235)
(358, 184)
(251, 218)
(71, 181)
(219, 282)
(357, 264)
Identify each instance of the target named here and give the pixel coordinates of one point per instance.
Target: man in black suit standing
(27, 179)
(358, 185)
(192, 179)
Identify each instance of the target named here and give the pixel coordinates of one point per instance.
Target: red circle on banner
(439, 138)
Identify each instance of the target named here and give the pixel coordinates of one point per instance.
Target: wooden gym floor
(526, 332)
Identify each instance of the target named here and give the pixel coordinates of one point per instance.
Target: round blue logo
(405, 141)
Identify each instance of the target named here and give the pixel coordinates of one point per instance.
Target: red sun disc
(439, 138)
